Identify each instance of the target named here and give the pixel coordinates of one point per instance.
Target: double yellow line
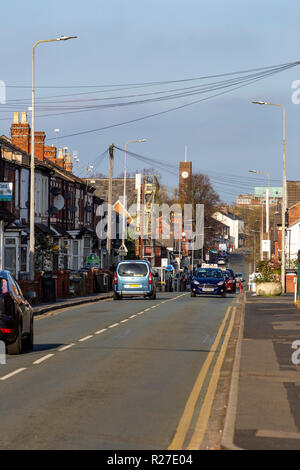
(189, 410)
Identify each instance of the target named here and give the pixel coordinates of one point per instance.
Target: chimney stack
(20, 132)
(68, 163)
(60, 158)
(50, 153)
(39, 139)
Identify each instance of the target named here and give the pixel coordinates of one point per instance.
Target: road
(129, 374)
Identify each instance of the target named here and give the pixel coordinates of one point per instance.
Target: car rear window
(203, 273)
(133, 269)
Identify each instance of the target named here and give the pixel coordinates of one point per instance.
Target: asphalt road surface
(129, 374)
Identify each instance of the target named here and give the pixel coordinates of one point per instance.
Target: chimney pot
(24, 117)
(16, 117)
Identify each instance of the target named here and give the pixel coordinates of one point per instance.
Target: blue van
(133, 278)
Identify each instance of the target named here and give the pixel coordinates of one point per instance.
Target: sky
(137, 41)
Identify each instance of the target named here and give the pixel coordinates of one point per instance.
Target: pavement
(264, 404)
(44, 307)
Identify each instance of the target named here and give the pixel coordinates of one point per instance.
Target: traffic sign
(93, 261)
(169, 268)
(122, 251)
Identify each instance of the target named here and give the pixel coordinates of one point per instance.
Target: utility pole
(262, 232)
(109, 200)
(143, 219)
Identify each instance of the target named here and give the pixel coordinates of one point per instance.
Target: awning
(86, 231)
(59, 231)
(45, 229)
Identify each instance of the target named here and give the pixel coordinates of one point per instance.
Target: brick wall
(289, 283)
(294, 214)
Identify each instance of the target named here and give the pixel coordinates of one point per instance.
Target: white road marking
(13, 373)
(124, 321)
(132, 316)
(44, 358)
(100, 331)
(112, 326)
(67, 347)
(85, 338)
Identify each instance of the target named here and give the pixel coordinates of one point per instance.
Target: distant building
(185, 179)
(275, 194)
(259, 197)
(235, 225)
(293, 192)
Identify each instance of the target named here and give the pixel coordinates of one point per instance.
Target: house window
(86, 249)
(23, 258)
(75, 255)
(64, 254)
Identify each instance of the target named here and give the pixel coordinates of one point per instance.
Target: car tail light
(6, 331)
(4, 286)
(150, 278)
(115, 279)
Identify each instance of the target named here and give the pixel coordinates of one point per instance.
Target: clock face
(184, 174)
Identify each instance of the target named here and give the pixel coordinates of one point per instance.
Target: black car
(16, 316)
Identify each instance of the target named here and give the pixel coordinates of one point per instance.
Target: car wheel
(193, 294)
(28, 341)
(116, 296)
(16, 347)
(152, 296)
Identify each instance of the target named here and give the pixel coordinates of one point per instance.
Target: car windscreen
(202, 273)
(133, 269)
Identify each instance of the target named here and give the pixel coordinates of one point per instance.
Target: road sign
(164, 262)
(169, 268)
(6, 191)
(93, 261)
(122, 251)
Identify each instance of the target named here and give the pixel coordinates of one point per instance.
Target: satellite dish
(59, 202)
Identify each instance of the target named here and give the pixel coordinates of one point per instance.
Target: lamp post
(124, 191)
(283, 208)
(180, 248)
(254, 248)
(31, 212)
(267, 203)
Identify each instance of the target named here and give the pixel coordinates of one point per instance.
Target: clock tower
(185, 179)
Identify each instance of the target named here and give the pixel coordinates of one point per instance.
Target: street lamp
(124, 190)
(267, 202)
(31, 212)
(254, 249)
(283, 208)
(180, 248)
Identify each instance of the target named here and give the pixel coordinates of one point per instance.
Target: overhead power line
(159, 113)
